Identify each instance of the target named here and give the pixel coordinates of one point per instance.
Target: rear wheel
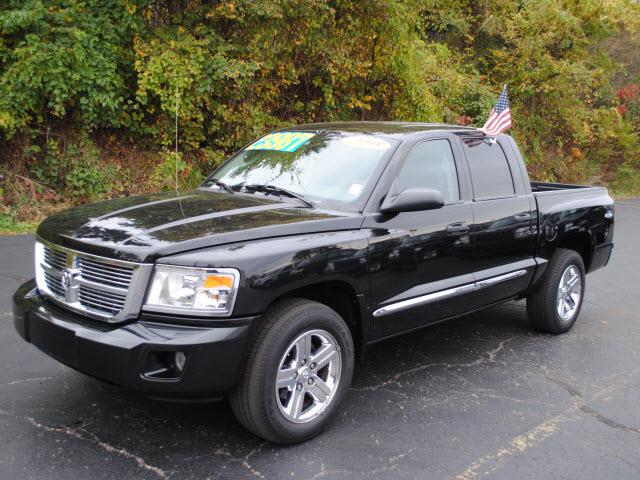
(554, 306)
(297, 372)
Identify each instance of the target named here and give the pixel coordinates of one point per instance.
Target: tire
(550, 308)
(294, 413)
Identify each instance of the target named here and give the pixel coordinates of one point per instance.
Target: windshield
(324, 167)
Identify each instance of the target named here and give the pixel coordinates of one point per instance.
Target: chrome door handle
(522, 217)
(457, 228)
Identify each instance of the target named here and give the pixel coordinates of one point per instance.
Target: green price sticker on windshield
(282, 141)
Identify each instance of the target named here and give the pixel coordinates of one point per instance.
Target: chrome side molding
(424, 299)
(500, 278)
(444, 294)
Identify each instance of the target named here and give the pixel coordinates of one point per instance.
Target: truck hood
(144, 228)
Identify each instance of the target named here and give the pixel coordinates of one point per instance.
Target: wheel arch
(340, 296)
(580, 242)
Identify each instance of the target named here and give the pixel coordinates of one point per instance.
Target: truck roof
(396, 129)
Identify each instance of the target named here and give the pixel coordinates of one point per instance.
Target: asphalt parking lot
(482, 397)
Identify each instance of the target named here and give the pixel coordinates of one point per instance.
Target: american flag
(500, 118)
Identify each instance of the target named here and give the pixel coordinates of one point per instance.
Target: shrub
(74, 72)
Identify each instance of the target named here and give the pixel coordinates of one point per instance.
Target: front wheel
(297, 372)
(554, 306)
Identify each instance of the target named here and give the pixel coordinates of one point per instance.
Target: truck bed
(549, 188)
(557, 197)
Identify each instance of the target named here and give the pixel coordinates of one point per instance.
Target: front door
(421, 262)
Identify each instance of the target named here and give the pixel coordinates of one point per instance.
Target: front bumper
(135, 355)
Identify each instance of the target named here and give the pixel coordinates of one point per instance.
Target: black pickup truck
(308, 245)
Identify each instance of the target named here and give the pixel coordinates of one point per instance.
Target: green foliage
(83, 80)
(86, 178)
(64, 61)
(171, 168)
(191, 74)
(74, 168)
(8, 225)
(626, 181)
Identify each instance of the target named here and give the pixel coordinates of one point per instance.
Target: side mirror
(412, 200)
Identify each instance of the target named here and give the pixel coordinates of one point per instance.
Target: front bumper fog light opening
(163, 365)
(180, 359)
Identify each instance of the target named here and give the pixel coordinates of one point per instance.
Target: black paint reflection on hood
(137, 228)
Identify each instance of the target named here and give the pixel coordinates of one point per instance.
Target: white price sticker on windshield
(367, 142)
(355, 189)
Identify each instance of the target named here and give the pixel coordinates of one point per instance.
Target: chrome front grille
(54, 284)
(55, 259)
(111, 290)
(102, 301)
(107, 273)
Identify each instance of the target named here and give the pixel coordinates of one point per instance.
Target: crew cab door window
(490, 173)
(503, 224)
(431, 165)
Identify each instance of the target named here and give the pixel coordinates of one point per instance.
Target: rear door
(503, 229)
(416, 256)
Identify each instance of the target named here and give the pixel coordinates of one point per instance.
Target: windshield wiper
(277, 190)
(222, 185)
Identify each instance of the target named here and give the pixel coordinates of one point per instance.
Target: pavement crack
(84, 435)
(13, 276)
(244, 461)
(607, 421)
(573, 391)
(126, 453)
(487, 357)
(492, 353)
(324, 472)
(248, 466)
(484, 393)
(392, 463)
(491, 462)
(26, 380)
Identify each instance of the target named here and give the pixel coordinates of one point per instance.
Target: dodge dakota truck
(268, 282)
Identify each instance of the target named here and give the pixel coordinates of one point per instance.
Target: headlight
(194, 291)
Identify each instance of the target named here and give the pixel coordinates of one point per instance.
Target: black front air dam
(131, 355)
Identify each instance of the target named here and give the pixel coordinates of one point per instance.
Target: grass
(8, 226)
(624, 194)
(619, 198)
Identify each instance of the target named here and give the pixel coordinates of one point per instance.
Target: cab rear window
(490, 173)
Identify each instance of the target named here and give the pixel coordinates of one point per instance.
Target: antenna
(176, 152)
(176, 139)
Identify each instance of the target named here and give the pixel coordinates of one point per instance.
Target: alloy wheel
(569, 293)
(308, 376)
